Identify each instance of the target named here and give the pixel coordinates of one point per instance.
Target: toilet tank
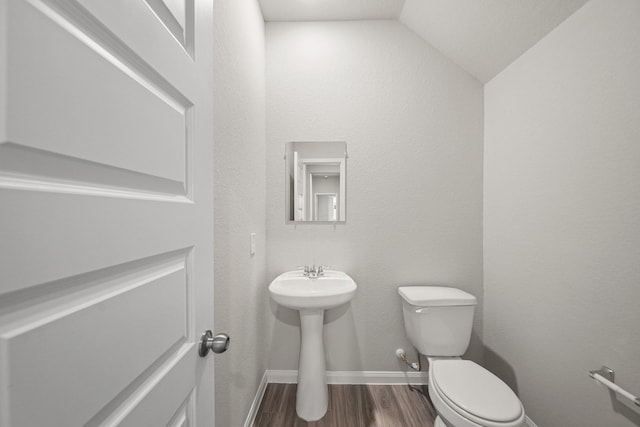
(438, 319)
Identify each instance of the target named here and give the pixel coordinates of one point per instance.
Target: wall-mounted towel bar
(606, 376)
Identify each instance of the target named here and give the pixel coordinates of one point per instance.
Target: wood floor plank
(406, 398)
(387, 410)
(350, 406)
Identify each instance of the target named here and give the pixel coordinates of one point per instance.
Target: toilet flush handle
(422, 310)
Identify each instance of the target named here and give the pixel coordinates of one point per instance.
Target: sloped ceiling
(481, 36)
(484, 36)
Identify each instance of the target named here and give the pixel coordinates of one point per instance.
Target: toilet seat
(475, 394)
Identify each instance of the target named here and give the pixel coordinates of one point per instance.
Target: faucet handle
(321, 269)
(304, 268)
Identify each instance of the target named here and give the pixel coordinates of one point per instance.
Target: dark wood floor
(351, 406)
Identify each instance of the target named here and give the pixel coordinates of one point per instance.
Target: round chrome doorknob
(217, 344)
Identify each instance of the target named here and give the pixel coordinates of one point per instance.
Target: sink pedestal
(311, 296)
(312, 394)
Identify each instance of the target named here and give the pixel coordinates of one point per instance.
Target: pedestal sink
(312, 296)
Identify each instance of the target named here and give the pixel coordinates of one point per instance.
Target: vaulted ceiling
(481, 36)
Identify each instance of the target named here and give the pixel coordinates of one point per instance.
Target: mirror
(316, 181)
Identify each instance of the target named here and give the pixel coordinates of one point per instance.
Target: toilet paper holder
(606, 376)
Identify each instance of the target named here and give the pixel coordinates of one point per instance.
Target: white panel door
(106, 212)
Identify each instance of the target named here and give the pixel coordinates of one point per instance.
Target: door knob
(217, 344)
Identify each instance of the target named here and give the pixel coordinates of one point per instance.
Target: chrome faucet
(312, 272)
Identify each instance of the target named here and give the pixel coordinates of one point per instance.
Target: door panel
(165, 398)
(106, 227)
(83, 332)
(137, 110)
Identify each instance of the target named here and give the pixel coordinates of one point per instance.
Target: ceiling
(484, 36)
(329, 10)
(481, 36)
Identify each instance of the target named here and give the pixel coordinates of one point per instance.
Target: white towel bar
(601, 376)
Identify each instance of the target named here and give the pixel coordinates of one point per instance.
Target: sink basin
(294, 290)
(311, 297)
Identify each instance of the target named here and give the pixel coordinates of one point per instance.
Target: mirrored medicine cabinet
(315, 181)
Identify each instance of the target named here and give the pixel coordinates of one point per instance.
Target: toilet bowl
(438, 321)
(466, 395)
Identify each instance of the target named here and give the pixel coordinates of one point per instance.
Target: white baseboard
(340, 377)
(251, 417)
(353, 377)
(377, 377)
(334, 377)
(280, 376)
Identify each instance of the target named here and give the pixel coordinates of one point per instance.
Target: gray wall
(241, 302)
(412, 121)
(562, 218)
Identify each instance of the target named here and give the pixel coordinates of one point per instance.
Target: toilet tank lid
(431, 296)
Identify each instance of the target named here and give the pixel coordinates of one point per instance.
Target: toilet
(438, 322)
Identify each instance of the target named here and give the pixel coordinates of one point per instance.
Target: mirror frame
(341, 162)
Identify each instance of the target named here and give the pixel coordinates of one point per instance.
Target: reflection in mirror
(316, 181)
